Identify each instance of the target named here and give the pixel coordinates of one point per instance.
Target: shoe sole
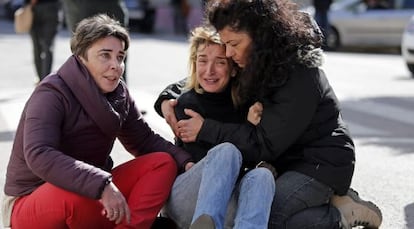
(353, 195)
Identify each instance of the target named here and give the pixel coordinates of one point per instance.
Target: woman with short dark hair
(60, 173)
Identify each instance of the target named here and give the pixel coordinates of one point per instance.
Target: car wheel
(333, 39)
(411, 68)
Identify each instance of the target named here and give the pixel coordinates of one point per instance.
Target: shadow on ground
(409, 216)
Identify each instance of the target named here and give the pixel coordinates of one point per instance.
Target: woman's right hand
(167, 109)
(115, 206)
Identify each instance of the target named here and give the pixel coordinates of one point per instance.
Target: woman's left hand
(255, 113)
(188, 129)
(115, 206)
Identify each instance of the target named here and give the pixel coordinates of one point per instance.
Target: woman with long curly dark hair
(301, 130)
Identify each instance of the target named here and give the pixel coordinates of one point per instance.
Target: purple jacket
(67, 131)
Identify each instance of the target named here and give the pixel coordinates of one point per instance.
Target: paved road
(376, 92)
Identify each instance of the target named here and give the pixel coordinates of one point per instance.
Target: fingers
(255, 113)
(188, 130)
(186, 135)
(189, 165)
(174, 129)
(167, 109)
(118, 214)
(172, 102)
(115, 206)
(258, 106)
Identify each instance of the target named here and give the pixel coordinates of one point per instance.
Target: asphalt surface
(376, 93)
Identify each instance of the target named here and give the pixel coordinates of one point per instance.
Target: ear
(81, 59)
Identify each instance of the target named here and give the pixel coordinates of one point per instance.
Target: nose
(229, 52)
(210, 69)
(116, 64)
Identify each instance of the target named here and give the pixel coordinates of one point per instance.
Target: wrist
(106, 183)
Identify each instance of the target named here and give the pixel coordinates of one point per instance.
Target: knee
(163, 157)
(225, 153)
(263, 178)
(165, 160)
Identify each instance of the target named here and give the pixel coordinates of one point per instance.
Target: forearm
(172, 91)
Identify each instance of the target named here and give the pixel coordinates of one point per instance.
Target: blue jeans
(251, 200)
(212, 187)
(302, 202)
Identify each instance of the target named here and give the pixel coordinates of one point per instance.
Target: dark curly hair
(278, 31)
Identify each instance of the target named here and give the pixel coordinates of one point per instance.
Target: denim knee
(261, 177)
(225, 153)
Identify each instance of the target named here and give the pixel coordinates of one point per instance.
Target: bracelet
(107, 181)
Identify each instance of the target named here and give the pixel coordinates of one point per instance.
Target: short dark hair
(91, 29)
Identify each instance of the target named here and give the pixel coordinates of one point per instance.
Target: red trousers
(145, 182)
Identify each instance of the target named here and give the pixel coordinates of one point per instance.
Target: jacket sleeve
(138, 139)
(243, 136)
(288, 113)
(172, 91)
(42, 139)
(285, 118)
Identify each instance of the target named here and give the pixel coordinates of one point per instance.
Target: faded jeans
(302, 202)
(212, 187)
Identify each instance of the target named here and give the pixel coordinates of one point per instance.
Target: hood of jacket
(310, 56)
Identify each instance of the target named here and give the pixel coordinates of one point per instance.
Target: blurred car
(354, 23)
(141, 14)
(407, 46)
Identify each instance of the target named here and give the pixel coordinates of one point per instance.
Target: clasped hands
(186, 129)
